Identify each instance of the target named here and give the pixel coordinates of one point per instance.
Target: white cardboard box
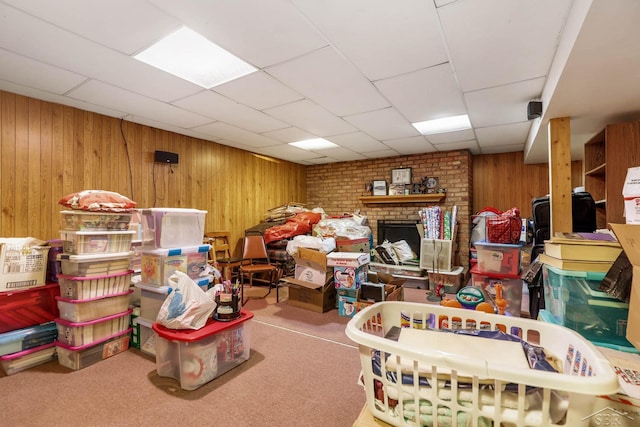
(23, 263)
(631, 194)
(348, 259)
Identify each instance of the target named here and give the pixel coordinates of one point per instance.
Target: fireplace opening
(396, 230)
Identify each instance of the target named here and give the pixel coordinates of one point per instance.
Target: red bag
(504, 228)
(300, 224)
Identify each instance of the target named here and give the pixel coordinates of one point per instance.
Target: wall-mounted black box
(165, 157)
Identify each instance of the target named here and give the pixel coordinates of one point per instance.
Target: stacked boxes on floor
(93, 305)
(349, 273)
(27, 305)
(311, 287)
(171, 241)
(499, 264)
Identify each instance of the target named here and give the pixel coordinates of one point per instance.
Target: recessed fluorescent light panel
(192, 57)
(314, 144)
(447, 124)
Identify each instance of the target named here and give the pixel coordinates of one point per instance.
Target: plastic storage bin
(27, 338)
(172, 227)
(195, 357)
(85, 355)
(511, 289)
(83, 220)
(157, 265)
(490, 386)
(146, 335)
(80, 333)
(95, 286)
(574, 301)
(16, 362)
(96, 264)
(29, 307)
(498, 258)
(96, 242)
(82, 310)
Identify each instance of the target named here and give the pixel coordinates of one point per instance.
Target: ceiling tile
(358, 141)
(232, 133)
(115, 24)
(382, 153)
(511, 134)
(258, 90)
(27, 72)
(260, 32)
(310, 117)
(461, 145)
(502, 149)
(383, 124)
(412, 145)
(290, 134)
(341, 154)
(380, 40)
(449, 137)
(503, 41)
(288, 152)
(328, 79)
(119, 99)
(502, 104)
(431, 93)
(218, 107)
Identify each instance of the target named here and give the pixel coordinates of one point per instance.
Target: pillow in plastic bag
(97, 201)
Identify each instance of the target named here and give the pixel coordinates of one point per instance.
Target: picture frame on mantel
(401, 176)
(379, 188)
(396, 189)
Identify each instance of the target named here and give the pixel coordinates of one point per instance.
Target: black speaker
(534, 110)
(165, 157)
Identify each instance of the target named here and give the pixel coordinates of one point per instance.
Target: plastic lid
(105, 276)
(96, 257)
(75, 301)
(94, 321)
(588, 275)
(189, 335)
(93, 343)
(97, 232)
(149, 211)
(175, 251)
(475, 270)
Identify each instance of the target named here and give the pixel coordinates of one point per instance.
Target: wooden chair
(220, 253)
(255, 261)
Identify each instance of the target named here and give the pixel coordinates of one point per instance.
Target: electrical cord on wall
(126, 148)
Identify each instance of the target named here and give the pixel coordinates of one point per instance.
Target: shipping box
(631, 195)
(629, 237)
(311, 288)
(23, 263)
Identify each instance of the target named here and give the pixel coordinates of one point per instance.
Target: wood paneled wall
(503, 181)
(48, 150)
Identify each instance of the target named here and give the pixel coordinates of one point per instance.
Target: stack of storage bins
(94, 314)
(349, 273)
(27, 305)
(171, 241)
(500, 264)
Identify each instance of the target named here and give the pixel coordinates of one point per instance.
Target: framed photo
(401, 176)
(396, 189)
(380, 188)
(433, 184)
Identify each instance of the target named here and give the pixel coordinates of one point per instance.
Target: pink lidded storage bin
(96, 264)
(82, 356)
(16, 362)
(511, 289)
(95, 286)
(81, 333)
(82, 310)
(172, 227)
(96, 242)
(498, 258)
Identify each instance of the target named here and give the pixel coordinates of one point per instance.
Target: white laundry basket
(477, 382)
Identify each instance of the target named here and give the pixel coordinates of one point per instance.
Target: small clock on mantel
(432, 185)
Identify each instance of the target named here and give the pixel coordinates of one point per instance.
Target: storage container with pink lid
(95, 286)
(82, 310)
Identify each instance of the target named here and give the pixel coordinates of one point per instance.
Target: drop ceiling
(355, 72)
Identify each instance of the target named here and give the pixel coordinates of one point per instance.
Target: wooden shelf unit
(617, 145)
(404, 198)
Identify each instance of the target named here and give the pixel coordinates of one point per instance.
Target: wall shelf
(403, 198)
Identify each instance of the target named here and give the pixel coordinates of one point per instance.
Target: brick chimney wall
(336, 187)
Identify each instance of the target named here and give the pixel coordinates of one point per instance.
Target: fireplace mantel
(403, 198)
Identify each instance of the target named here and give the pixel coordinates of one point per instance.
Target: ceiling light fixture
(314, 144)
(447, 124)
(192, 57)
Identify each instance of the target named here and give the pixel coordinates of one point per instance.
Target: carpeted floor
(302, 371)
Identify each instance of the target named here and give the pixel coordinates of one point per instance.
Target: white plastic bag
(187, 306)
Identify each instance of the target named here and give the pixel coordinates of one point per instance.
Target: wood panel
(503, 181)
(48, 150)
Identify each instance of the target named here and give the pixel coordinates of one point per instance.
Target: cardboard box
(320, 299)
(353, 245)
(347, 259)
(629, 237)
(23, 263)
(436, 254)
(346, 306)
(631, 195)
(311, 268)
(349, 277)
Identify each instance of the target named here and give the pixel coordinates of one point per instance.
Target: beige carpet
(302, 372)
